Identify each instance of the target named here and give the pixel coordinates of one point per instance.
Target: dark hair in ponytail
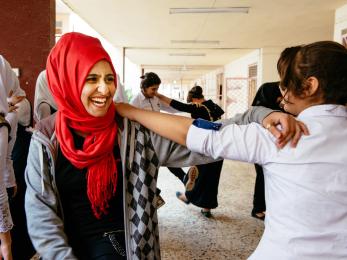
(149, 79)
(325, 60)
(195, 92)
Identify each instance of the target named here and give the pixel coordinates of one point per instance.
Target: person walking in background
(147, 99)
(203, 180)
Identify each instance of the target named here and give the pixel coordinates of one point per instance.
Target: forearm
(169, 126)
(164, 99)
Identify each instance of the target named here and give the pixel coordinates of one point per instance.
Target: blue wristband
(204, 124)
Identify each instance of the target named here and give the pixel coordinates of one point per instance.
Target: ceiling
(146, 30)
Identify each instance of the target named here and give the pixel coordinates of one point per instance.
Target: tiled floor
(231, 234)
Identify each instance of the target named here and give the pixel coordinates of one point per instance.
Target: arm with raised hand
(176, 105)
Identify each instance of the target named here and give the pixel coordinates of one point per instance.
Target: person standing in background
(203, 180)
(44, 103)
(7, 82)
(148, 100)
(21, 243)
(268, 95)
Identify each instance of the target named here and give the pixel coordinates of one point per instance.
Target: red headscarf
(68, 65)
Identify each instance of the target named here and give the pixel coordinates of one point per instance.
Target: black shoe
(179, 196)
(206, 214)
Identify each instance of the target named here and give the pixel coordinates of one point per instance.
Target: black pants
(259, 191)
(109, 247)
(22, 247)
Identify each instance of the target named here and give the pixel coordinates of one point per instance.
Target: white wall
(73, 23)
(209, 84)
(340, 23)
(77, 24)
(132, 77)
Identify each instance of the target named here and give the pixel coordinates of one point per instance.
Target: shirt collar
(324, 110)
(142, 96)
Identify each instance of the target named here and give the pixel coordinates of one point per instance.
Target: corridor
(231, 234)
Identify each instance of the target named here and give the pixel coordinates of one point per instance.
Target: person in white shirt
(306, 187)
(146, 98)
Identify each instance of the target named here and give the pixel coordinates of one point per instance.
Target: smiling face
(99, 89)
(150, 91)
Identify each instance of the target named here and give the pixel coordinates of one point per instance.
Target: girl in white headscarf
(44, 104)
(7, 81)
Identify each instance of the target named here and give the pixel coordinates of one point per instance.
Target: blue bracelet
(204, 124)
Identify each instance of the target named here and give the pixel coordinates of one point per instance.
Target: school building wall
(26, 37)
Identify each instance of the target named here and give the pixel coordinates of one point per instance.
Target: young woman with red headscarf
(87, 170)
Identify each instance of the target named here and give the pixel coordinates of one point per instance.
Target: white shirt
(153, 104)
(305, 187)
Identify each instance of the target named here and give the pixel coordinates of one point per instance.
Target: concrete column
(27, 35)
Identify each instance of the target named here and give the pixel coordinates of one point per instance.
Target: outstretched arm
(177, 105)
(172, 127)
(164, 99)
(176, 128)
